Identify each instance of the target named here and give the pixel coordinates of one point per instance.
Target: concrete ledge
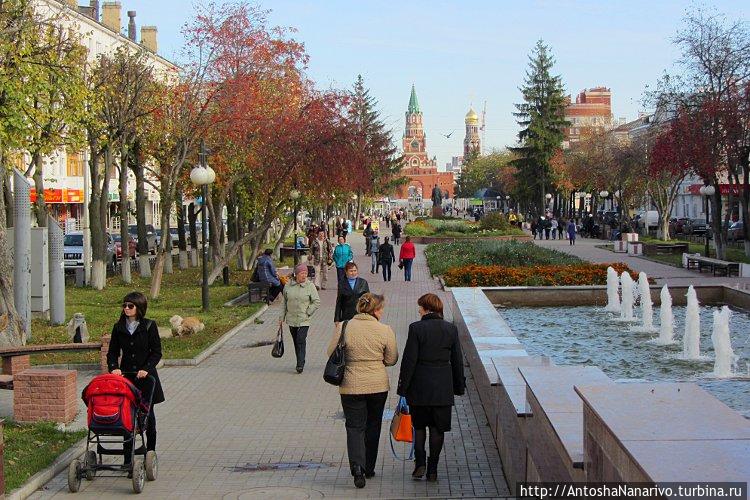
(426, 240)
(200, 358)
(46, 475)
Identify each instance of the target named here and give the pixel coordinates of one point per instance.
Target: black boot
(419, 464)
(359, 476)
(432, 464)
(150, 441)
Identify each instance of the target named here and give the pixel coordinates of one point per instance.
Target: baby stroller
(117, 413)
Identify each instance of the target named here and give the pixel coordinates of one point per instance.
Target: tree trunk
(193, 235)
(8, 197)
(224, 261)
(11, 328)
(98, 210)
(161, 254)
(40, 204)
(181, 240)
(144, 263)
(124, 235)
(282, 236)
(719, 234)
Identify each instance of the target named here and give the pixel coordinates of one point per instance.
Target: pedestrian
(370, 346)
(533, 228)
(301, 300)
(267, 274)
(406, 257)
(322, 254)
(432, 372)
(560, 228)
(374, 248)
(396, 232)
(553, 228)
(351, 288)
(387, 257)
(547, 227)
(367, 233)
(341, 255)
(134, 351)
(572, 232)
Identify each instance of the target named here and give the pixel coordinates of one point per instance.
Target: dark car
(680, 225)
(736, 231)
(697, 226)
(150, 236)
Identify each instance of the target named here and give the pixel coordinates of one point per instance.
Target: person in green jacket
(301, 300)
(341, 255)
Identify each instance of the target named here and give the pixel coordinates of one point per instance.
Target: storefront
(62, 204)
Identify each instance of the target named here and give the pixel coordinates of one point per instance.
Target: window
(75, 165)
(415, 145)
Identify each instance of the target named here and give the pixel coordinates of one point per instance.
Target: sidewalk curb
(216, 345)
(44, 476)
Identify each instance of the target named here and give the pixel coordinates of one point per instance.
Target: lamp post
(707, 192)
(354, 211)
(202, 175)
(294, 195)
(507, 201)
(498, 202)
(603, 194)
(549, 197)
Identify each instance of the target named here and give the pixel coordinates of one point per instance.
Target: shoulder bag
(278, 346)
(334, 371)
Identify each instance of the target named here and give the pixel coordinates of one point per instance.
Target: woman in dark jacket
(134, 351)
(386, 258)
(351, 288)
(432, 372)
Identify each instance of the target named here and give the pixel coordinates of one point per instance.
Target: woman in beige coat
(370, 346)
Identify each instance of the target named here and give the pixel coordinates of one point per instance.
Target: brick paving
(586, 249)
(242, 408)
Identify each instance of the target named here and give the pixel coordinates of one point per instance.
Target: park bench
(289, 252)
(11, 355)
(665, 248)
(723, 267)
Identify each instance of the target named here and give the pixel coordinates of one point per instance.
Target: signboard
(724, 189)
(50, 195)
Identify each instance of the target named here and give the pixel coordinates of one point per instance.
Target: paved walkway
(242, 410)
(586, 249)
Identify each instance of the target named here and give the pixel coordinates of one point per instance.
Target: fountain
(666, 318)
(613, 298)
(691, 348)
(626, 311)
(725, 357)
(647, 305)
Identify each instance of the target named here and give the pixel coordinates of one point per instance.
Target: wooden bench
(285, 252)
(723, 267)
(9, 353)
(665, 248)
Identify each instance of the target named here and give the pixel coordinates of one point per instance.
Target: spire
(413, 103)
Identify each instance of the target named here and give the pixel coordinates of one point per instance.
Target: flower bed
(535, 275)
(458, 228)
(443, 256)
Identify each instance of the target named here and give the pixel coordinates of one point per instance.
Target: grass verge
(31, 448)
(180, 294)
(733, 254)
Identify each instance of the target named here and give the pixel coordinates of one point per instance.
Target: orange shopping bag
(401, 429)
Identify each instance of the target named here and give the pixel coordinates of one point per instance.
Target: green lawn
(180, 294)
(733, 254)
(31, 448)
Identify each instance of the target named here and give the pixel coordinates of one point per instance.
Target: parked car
(697, 226)
(172, 233)
(73, 250)
(150, 236)
(680, 225)
(647, 219)
(132, 247)
(736, 231)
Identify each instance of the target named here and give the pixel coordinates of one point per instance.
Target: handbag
(401, 429)
(401, 264)
(336, 365)
(278, 346)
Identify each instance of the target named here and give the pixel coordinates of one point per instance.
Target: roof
(413, 103)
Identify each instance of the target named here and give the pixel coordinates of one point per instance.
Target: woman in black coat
(351, 288)
(432, 372)
(386, 258)
(134, 351)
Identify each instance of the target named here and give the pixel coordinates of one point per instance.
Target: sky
(464, 53)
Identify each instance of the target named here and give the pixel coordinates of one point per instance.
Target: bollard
(56, 272)
(22, 250)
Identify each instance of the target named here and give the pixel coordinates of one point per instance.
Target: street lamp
(202, 175)
(498, 202)
(707, 192)
(294, 195)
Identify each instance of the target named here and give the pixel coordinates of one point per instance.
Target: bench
(665, 248)
(16, 359)
(285, 252)
(723, 267)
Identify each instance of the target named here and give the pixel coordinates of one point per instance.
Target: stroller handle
(149, 377)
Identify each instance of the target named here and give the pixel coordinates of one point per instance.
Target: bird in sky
(449, 135)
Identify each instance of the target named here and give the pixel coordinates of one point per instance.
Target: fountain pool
(585, 335)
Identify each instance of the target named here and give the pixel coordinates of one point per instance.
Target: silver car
(73, 250)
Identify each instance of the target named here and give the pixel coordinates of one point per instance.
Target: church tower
(415, 140)
(472, 142)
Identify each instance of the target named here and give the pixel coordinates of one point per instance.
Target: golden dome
(472, 118)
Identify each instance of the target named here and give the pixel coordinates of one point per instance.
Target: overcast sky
(460, 53)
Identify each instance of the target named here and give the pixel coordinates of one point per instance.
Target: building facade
(590, 113)
(419, 168)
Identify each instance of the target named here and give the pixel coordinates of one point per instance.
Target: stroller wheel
(152, 465)
(89, 464)
(74, 476)
(139, 475)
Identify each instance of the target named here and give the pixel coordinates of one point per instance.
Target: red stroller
(117, 413)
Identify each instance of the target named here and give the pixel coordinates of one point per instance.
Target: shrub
(443, 256)
(494, 221)
(555, 275)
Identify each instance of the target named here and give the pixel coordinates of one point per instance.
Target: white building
(66, 172)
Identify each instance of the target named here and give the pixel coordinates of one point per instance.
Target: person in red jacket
(406, 256)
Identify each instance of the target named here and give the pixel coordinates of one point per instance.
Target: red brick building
(591, 113)
(421, 171)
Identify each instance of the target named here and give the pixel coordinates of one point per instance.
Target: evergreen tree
(541, 116)
(378, 149)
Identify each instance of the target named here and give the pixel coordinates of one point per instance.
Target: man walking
(322, 254)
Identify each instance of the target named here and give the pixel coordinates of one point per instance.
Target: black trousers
(274, 291)
(364, 417)
(299, 336)
(150, 436)
(340, 274)
(386, 270)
